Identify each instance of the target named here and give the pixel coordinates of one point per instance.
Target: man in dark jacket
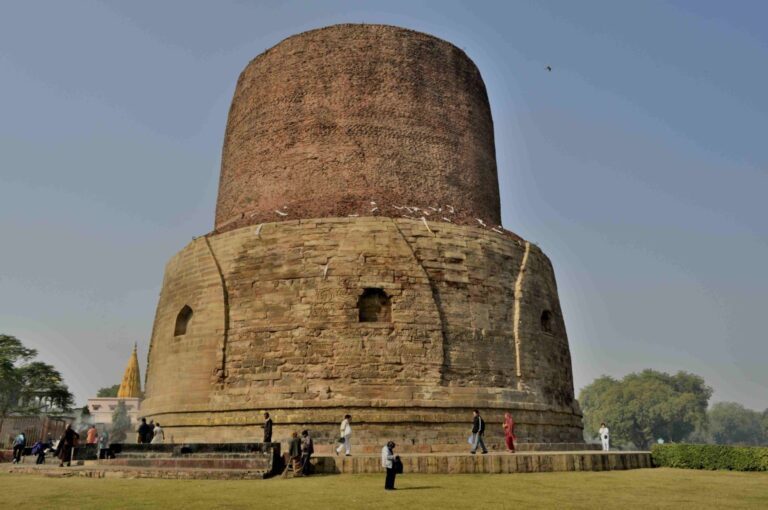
(144, 432)
(267, 428)
(478, 430)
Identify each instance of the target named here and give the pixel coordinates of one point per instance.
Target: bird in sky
(549, 68)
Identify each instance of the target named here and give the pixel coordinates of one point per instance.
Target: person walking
(345, 436)
(267, 428)
(66, 445)
(159, 434)
(509, 432)
(605, 437)
(18, 447)
(307, 449)
(388, 462)
(478, 431)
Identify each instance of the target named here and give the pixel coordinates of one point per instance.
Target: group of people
(478, 433)
(151, 433)
(63, 448)
(300, 450)
(301, 447)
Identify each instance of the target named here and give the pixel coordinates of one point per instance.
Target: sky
(639, 164)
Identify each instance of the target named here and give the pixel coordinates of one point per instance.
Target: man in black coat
(478, 430)
(144, 432)
(267, 428)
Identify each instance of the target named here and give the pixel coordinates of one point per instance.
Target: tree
(732, 423)
(29, 387)
(645, 406)
(109, 391)
(765, 424)
(121, 423)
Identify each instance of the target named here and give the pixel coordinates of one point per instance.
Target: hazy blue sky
(639, 164)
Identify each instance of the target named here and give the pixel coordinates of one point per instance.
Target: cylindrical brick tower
(328, 121)
(357, 263)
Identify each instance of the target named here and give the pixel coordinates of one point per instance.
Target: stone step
(172, 455)
(93, 471)
(524, 462)
(252, 463)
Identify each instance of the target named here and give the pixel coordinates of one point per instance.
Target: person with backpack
(388, 461)
(39, 449)
(478, 431)
(18, 447)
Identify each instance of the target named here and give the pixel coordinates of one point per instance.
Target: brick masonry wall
(275, 327)
(358, 119)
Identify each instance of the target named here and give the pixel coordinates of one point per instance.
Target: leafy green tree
(732, 423)
(645, 406)
(109, 391)
(29, 387)
(765, 424)
(121, 423)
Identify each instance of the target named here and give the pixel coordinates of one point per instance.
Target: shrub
(705, 456)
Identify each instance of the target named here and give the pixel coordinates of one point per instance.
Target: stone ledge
(492, 463)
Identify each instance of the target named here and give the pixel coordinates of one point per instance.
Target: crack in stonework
(223, 368)
(516, 324)
(435, 296)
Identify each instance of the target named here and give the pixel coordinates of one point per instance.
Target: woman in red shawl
(509, 432)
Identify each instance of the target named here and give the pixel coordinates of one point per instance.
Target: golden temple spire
(130, 387)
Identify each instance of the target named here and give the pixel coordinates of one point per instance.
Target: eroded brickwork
(294, 344)
(384, 136)
(359, 119)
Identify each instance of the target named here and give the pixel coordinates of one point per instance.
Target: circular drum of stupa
(357, 264)
(328, 121)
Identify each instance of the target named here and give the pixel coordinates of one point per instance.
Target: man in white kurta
(345, 432)
(604, 437)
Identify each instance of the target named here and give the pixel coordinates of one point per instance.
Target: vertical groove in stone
(516, 324)
(222, 375)
(435, 296)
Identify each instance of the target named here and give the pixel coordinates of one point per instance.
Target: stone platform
(235, 466)
(497, 463)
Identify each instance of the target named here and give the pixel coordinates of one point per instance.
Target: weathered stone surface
(285, 335)
(357, 265)
(539, 462)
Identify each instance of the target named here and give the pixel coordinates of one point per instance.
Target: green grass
(642, 488)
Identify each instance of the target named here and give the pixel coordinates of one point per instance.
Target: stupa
(358, 265)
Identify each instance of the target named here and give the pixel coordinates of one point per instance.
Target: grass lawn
(640, 488)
